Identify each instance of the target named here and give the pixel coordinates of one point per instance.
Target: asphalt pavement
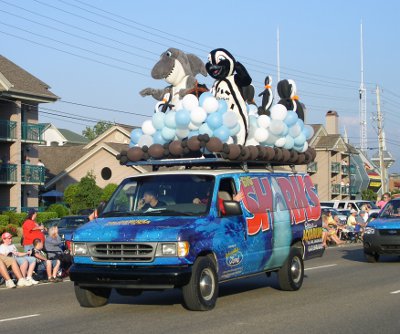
(341, 293)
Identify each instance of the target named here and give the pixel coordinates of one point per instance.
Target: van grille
(122, 252)
(390, 232)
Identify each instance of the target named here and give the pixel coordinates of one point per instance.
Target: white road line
(394, 292)
(18, 318)
(320, 267)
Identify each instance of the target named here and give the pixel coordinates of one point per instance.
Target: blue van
(184, 229)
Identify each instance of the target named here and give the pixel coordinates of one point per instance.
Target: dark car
(68, 224)
(51, 222)
(382, 235)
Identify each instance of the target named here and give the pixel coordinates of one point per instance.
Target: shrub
(4, 220)
(10, 228)
(60, 209)
(43, 216)
(16, 218)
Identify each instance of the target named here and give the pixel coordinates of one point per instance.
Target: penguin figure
(267, 97)
(231, 78)
(287, 92)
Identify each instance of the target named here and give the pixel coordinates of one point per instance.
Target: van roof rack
(213, 161)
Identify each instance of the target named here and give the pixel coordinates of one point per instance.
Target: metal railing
(8, 130)
(312, 167)
(32, 132)
(27, 208)
(8, 208)
(335, 189)
(32, 174)
(8, 173)
(335, 167)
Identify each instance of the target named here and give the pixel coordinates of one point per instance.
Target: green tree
(368, 195)
(108, 191)
(95, 131)
(85, 194)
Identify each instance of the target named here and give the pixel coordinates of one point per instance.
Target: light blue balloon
(291, 118)
(193, 133)
(136, 134)
(253, 122)
(131, 144)
(170, 119)
(235, 130)
(285, 131)
(252, 109)
(300, 140)
(222, 133)
(158, 138)
(203, 97)
(182, 118)
(222, 106)
(168, 133)
(205, 129)
(214, 120)
(308, 131)
(271, 140)
(289, 142)
(300, 123)
(158, 120)
(294, 130)
(298, 148)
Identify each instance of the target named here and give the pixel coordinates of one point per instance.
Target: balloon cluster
(191, 117)
(197, 146)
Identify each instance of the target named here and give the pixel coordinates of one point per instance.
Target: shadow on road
(357, 255)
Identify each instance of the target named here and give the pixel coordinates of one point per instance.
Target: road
(341, 293)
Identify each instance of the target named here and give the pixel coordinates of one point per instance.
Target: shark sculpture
(179, 69)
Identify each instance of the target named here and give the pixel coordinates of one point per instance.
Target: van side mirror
(232, 208)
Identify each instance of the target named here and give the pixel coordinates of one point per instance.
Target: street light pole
(380, 141)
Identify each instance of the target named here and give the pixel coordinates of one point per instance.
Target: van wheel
(372, 258)
(201, 293)
(290, 276)
(92, 297)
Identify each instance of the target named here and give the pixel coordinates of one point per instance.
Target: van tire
(372, 258)
(201, 293)
(92, 297)
(291, 275)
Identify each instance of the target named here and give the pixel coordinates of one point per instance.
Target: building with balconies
(20, 96)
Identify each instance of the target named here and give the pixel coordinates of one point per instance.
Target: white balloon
(148, 127)
(230, 119)
(198, 115)
(278, 112)
(182, 133)
(193, 126)
(294, 130)
(252, 141)
(280, 142)
(230, 140)
(210, 104)
(263, 121)
(261, 135)
(305, 147)
(178, 105)
(190, 102)
(252, 110)
(276, 127)
(145, 140)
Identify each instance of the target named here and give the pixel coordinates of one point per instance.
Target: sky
(97, 55)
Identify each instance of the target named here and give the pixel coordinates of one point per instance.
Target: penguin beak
(215, 70)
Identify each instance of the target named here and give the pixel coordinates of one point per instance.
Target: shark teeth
(173, 68)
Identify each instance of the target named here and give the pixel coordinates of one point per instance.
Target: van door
(230, 241)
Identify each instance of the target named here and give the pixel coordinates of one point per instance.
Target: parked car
(51, 222)
(382, 235)
(356, 205)
(68, 224)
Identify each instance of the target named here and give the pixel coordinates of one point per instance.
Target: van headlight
(180, 249)
(369, 230)
(79, 249)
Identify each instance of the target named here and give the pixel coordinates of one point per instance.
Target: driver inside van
(150, 200)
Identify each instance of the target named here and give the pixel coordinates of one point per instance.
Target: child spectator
(7, 262)
(51, 266)
(26, 262)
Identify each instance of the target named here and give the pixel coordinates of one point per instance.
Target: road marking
(394, 292)
(320, 267)
(18, 318)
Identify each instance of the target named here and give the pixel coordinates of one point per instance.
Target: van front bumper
(130, 277)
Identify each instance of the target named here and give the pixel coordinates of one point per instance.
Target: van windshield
(161, 195)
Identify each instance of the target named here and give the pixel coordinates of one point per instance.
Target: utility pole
(380, 141)
(363, 101)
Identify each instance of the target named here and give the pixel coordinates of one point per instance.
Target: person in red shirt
(31, 230)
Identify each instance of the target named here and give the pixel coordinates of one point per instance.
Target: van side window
(226, 191)
(341, 205)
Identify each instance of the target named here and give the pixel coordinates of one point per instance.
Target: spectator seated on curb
(7, 262)
(26, 262)
(328, 231)
(43, 264)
